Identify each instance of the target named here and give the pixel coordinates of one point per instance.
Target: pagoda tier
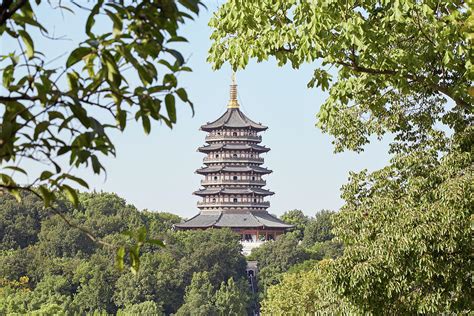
(232, 189)
(251, 148)
(242, 170)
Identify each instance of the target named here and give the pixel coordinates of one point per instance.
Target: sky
(157, 171)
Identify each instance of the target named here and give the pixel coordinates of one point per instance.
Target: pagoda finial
(233, 103)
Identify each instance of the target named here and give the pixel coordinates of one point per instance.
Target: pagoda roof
(233, 118)
(255, 219)
(210, 191)
(212, 169)
(213, 147)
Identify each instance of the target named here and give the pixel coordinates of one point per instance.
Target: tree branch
(444, 90)
(5, 13)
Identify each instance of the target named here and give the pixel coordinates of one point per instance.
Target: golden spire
(233, 103)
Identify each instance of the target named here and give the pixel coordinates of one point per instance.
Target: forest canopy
(49, 267)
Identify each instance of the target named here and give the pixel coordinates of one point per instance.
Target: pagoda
(233, 193)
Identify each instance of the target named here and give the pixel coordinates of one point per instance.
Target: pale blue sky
(157, 171)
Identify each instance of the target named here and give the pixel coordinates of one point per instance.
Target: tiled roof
(228, 168)
(234, 147)
(233, 118)
(210, 191)
(256, 219)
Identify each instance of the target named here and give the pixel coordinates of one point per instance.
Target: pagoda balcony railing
(234, 204)
(237, 138)
(233, 159)
(229, 181)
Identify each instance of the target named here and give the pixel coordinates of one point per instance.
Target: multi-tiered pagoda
(233, 193)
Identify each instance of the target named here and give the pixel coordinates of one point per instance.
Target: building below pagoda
(233, 193)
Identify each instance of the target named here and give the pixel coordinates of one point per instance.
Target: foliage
(144, 308)
(319, 228)
(51, 113)
(67, 273)
(298, 219)
(404, 68)
(407, 231)
(232, 298)
(217, 251)
(329, 249)
(275, 258)
(96, 280)
(19, 223)
(305, 292)
(396, 61)
(57, 239)
(199, 298)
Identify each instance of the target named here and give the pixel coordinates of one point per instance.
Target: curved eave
(211, 148)
(205, 128)
(233, 169)
(233, 118)
(252, 219)
(225, 191)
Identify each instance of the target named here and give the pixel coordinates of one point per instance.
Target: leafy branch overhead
(60, 118)
(384, 63)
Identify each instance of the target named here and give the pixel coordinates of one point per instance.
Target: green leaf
(170, 107)
(177, 39)
(117, 21)
(71, 194)
(30, 48)
(182, 94)
(91, 18)
(16, 169)
(77, 180)
(156, 242)
(146, 124)
(55, 115)
(141, 234)
(121, 118)
(72, 80)
(40, 128)
(16, 194)
(96, 165)
(47, 195)
(78, 54)
(7, 180)
(134, 259)
(45, 175)
(119, 258)
(179, 57)
(8, 76)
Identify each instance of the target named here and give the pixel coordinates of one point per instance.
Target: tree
(404, 68)
(232, 298)
(396, 61)
(319, 228)
(298, 219)
(199, 298)
(88, 283)
(96, 280)
(275, 258)
(144, 308)
(407, 235)
(52, 114)
(59, 118)
(19, 223)
(57, 239)
(216, 251)
(306, 292)
(51, 291)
